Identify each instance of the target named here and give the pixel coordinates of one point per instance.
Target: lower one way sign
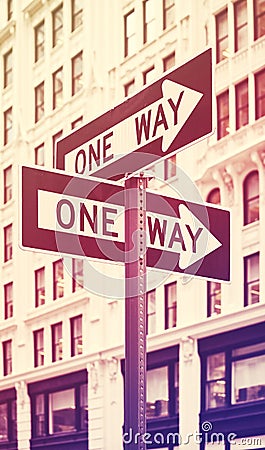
(85, 218)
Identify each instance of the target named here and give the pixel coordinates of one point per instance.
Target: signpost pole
(135, 313)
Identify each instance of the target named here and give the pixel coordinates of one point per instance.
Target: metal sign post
(135, 313)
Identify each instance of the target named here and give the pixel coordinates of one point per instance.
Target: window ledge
(47, 310)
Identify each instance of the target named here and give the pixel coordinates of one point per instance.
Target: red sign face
(160, 120)
(85, 218)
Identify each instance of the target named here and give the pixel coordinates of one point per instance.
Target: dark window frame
(8, 300)
(212, 300)
(38, 343)
(8, 125)
(146, 25)
(222, 116)
(8, 184)
(39, 102)
(128, 86)
(247, 282)
(56, 267)
(150, 314)
(57, 31)
(39, 161)
(57, 88)
(168, 308)
(44, 388)
(127, 37)
(39, 288)
(238, 27)
(76, 285)
(257, 19)
(57, 341)
(220, 39)
(39, 44)
(7, 357)
(241, 109)
(8, 398)
(8, 242)
(75, 16)
(77, 75)
(77, 123)
(76, 339)
(248, 200)
(259, 98)
(8, 68)
(55, 138)
(167, 11)
(169, 58)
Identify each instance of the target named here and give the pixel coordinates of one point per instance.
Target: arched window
(251, 197)
(214, 196)
(213, 288)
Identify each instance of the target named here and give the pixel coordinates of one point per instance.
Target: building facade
(62, 346)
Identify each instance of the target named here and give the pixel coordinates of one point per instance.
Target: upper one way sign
(160, 120)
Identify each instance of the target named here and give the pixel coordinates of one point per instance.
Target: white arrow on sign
(163, 118)
(185, 235)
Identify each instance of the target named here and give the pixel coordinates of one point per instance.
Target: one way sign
(157, 122)
(85, 217)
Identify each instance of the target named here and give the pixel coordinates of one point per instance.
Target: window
(149, 20)
(57, 342)
(251, 270)
(168, 13)
(39, 287)
(214, 196)
(251, 197)
(248, 368)
(151, 312)
(39, 155)
(213, 288)
(170, 305)
(170, 167)
(8, 68)
(57, 26)
(9, 9)
(129, 88)
(8, 417)
(54, 145)
(60, 407)
(260, 93)
(8, 249)
(8, 126)
(39, 101)
(58, 279)
(162, 391)
(213, 298)
(247, 384)
(8, 292)
(222, 115)
(57, 81)
(7, 184)
(77, 73)
(38, 341)
(241, 24)
(77, 123)
(221, 36)
(77, 14)
(7, 357)
(39, 41)
(78, 274)
(129, 34)
(259, 18)
(216, 383)
(241, 104)
(157, 392)
(76, 336)
(148, 75)
(169, 62)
